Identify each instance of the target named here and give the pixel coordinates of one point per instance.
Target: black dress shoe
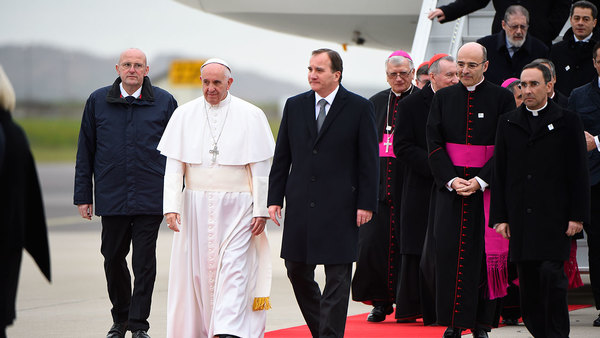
(510, 321)
(140, 334)
(597, 321)
(117, 330)
(379, 312)
(452, 332)
(480, 333)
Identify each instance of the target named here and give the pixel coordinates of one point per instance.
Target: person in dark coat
(23, 223)
(554, 95)
(512, 48)
(572, 56)
(540, 198)
(378, 263)
(585, 101)
(547, 16)
(460, 133)
(118, 161)
(328, 139)
(410, 147)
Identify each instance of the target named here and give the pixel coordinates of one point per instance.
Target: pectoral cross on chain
(214, 151)
(387, 145)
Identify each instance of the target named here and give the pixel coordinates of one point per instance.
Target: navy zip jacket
(117, 149)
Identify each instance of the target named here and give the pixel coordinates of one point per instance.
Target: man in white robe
(219, 151)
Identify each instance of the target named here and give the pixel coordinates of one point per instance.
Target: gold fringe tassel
(261, 303)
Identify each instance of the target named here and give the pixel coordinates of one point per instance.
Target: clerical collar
(536, 112)
(222, 103)
(586, 39)
(552, 96)
(598, 81)
(472, 88)
(406, 91)
(135, 94)
(329, 98)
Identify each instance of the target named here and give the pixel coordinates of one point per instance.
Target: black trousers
(593, 239)
(325, 314)
(543, 286)
(118, 233)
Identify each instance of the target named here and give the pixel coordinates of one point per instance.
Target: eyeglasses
(515, 27)
(395, 75)
(470, 65)
(136, 66)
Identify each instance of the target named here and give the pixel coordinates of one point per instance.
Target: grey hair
(7, 93)
(516, 9)
(435, 68)
(397, 60)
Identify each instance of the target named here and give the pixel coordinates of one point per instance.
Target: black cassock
(468, 118)
(23, 223)
(410, 146)
(378, 261)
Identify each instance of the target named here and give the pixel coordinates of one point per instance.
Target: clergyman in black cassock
(540, 198)
(466, 116)
(413, 298)
(378, 261)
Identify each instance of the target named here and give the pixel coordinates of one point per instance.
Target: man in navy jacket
(120, 129)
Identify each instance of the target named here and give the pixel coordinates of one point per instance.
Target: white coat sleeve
(173, 186)
(260, 187)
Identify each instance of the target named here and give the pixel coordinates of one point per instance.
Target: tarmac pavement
(76, 304)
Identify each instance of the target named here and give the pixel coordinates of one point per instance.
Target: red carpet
(358, 327)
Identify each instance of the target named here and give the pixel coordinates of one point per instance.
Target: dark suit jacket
(573, 62)
(547, 17)
(502, 66)
(585, 100)
(324, 177)
(540, 182)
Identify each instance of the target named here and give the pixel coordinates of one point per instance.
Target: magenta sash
(496, 247)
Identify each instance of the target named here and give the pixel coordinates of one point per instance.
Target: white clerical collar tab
(215, 60)
(536, 112)
(473, 87)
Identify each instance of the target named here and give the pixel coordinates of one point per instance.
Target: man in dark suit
(572, 55)
(548, 16)
(540, 198)
(328, 139)
(585, 100)
(512, 48)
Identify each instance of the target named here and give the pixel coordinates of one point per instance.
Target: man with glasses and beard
(513, 47)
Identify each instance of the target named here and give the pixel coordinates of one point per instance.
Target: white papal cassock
(219, 271)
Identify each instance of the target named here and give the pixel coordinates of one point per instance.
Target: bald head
(472, 63)
(134, 52)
